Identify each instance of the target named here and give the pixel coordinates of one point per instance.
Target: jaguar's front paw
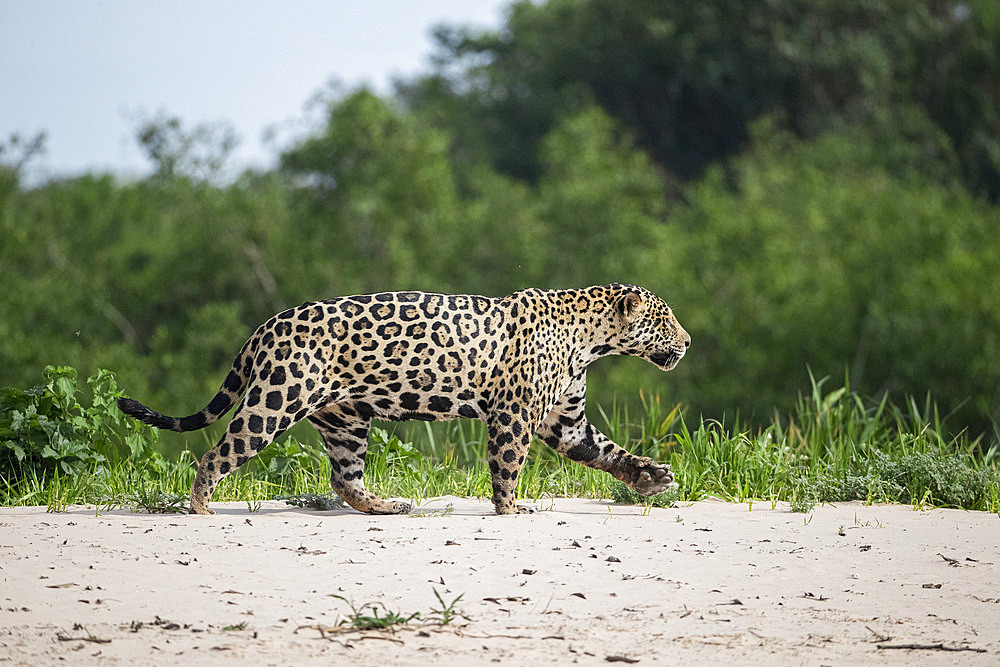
(400, 508)
(379, 506)
(652, 478)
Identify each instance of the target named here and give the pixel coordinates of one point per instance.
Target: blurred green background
(812, 185)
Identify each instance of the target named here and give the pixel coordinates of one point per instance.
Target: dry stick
(89, 638)
(383, 637)
(933, 647)
(345, 631)
(353, 634)
(951, 561)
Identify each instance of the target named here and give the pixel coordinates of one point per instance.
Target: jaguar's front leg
(567, 430)
(585, 444)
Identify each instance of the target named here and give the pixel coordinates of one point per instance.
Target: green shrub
(912, 478)
(283, 459)
(46, 429)
(623, 494)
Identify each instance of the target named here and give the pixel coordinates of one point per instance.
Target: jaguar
(518, 363)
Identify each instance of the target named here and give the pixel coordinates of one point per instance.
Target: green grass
(834, 446)
(376, 616)
(368, 617)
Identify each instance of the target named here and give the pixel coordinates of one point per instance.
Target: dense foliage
(812, 185)
(45, 429)
(688, 78)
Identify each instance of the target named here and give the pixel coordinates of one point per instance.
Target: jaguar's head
(648, 328)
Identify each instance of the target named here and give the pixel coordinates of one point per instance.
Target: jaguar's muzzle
(665, 360)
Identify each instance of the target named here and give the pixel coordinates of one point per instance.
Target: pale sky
(85, 72)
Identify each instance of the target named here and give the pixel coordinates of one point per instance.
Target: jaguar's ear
(628, 306)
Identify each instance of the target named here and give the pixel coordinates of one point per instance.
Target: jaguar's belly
(427, 387)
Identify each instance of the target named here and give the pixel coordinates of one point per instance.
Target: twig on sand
(330, 633)
(462, 634)
(953, 562)
(89, 638)
(933, 647)
(388, 639)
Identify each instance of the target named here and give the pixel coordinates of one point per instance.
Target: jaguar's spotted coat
(518, 363)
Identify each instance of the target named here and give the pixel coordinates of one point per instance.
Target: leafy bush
(621, 493)
(386, 450)
(316, 501)
(919, 477)
(282, 460)
(45, 428)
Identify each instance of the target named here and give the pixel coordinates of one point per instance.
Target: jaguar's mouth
(665, 360)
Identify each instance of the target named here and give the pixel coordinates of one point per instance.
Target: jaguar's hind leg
(345, 433)
(250, 431)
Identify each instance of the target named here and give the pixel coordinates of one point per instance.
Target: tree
(688, 78)
(601, 200)
(379, 193)
(199, 154)
(812, 255)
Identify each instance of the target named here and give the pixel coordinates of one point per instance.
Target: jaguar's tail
(228, 394)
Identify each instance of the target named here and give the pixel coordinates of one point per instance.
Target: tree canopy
(688, 78)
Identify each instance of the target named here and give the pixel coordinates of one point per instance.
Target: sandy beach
(579, 581)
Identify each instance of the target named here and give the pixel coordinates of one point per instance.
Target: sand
(579, 581)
